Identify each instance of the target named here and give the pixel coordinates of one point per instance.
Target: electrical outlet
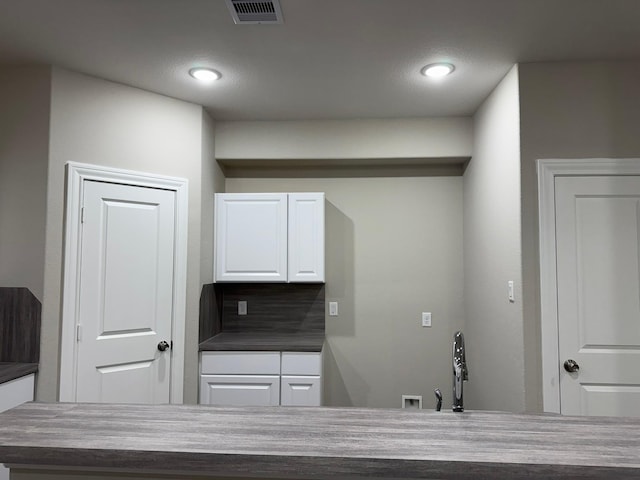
(333, 309)
(412, 401)
(242, 307)
(512, 296)
(426, 319)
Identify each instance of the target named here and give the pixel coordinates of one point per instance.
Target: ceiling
(329, 59)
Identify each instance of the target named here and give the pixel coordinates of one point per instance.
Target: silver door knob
(571, 366)
(163, 345)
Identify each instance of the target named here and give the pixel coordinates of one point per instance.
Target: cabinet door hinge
(82, 215)
(78, 332)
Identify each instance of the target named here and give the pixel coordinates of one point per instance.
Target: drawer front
(16, 392)
(303, 391)
(301, 363)
(254, 390)
(242, 363)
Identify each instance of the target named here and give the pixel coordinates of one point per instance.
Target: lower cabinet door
(240, 389)
(301, 391)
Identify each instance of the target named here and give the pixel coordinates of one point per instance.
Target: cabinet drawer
(301, 363)
(250, 363)
(301, 391)
(256, 390)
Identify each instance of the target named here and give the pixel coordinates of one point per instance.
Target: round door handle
(163, 345)
(571, 366)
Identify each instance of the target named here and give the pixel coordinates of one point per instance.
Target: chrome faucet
(460, 372)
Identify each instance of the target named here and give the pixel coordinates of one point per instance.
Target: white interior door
(126, 294)
(598, 283)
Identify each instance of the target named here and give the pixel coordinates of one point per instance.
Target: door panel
(301, 390)
(251, 237)
(254, 390)
(598, 275)
(126, 285)
(306, 237)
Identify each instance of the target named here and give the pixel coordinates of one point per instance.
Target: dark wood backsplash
(210, 311)
(271, 308)
(20, 313)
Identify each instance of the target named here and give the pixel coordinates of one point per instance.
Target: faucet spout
(460, 371)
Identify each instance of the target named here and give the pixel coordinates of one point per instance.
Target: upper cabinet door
(251, 237)
(306, 237)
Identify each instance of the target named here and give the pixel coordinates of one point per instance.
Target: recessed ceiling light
(437, 70)
(204, 74)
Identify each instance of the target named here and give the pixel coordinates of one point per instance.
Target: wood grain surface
(11, 371)
(20, 313)
(301, 442)
(273, 307)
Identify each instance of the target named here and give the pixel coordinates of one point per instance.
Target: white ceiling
(330, 58)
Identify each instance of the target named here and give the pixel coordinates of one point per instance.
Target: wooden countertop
(265, 341)
(12, 370)
(325, 443)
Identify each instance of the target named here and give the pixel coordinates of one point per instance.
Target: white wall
(568, 110)
(25, 95)
(103, 123)
(493, 326)
(393, 250)
(407, 138)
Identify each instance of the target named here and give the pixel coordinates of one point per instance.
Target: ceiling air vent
(253, 11)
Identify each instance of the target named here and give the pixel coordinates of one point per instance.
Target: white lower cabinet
(14, 393)
(261, 378)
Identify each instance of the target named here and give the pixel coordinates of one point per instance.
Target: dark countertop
(10, 371)
(282, 342)
(299, 442)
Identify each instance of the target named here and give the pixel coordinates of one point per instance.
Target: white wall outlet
(242, 307)
(333, 309)
(512, 297)
(426, 319)
(412, 401)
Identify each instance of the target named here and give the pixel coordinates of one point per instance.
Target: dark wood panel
(274, 308)
(20, 313)
(297, 442)
(11, 371)
(210, 311)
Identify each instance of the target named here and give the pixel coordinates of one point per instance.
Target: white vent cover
(254, 11)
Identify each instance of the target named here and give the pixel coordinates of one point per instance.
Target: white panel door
(126, 285)
(306, 237)
(301, 391)
(251, 237)
(254, 390)
(598, 278)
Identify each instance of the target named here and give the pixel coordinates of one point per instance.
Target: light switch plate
(333, 309)
(242, 307)
(426, 319)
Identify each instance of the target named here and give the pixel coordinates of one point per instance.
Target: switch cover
(426, 319)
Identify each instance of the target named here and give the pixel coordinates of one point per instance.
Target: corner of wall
(492, 253)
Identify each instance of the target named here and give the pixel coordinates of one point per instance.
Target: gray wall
(399, 138)
(493, 325)
(103, 123)
(393, 250)
(25, 96)
(568, 110)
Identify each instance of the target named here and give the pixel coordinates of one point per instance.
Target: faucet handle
(439, 398)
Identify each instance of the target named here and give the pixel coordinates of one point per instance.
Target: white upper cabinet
(269, 237)
(306, 237)
(251, 237)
